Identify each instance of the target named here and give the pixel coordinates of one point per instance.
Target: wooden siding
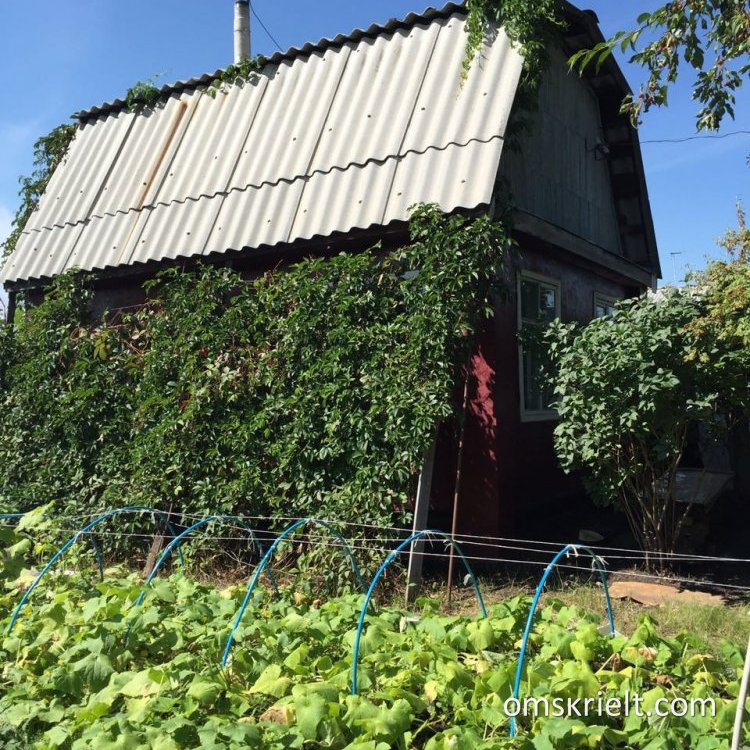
(557, 175)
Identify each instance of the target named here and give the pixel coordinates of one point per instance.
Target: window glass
(603, 306)
(540, 304)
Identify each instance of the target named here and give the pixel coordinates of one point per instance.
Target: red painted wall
(510, 472)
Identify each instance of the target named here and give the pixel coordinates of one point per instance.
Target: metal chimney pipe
(241, 30)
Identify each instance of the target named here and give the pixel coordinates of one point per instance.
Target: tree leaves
(710, 36)
(629, 386)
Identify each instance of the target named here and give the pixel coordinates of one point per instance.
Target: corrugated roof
(342, 135)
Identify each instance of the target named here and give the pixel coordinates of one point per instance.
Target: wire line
(263, 26)
(699, 137)
(385, 550)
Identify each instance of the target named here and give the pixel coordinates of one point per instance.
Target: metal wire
(504, 545)
(517, 544)
(263, 26)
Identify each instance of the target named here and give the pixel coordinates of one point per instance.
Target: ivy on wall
(312, 390)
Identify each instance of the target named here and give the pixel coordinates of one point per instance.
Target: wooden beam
(557, 236)
(421, 511)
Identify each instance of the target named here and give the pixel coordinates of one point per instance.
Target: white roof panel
(343, 135)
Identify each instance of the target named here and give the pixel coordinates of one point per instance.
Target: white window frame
(607, 299)
(533, 415)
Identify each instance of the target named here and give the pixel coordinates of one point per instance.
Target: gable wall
(556, 175)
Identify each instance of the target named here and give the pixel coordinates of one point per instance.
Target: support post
(457, 491)
(10, 316)
(421, 511)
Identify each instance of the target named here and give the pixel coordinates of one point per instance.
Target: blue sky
(59, 57)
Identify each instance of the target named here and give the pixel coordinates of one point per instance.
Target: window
(538, 305)
(603, 306)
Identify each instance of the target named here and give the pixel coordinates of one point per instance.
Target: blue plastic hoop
(575, 548)
(388, 560)
(74, 539)
(264, 562)
(177, 541)
(11, 517)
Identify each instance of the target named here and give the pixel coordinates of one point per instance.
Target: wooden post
(156, 547)
(10, 313)
(421, 511)
(457, 491)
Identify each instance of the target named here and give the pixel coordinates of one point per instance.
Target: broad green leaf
(271, 682)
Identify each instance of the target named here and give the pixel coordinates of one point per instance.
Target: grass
(712, 622)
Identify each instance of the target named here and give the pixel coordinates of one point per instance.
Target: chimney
(241, 30)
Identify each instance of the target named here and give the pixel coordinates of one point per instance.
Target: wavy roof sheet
(342, 135)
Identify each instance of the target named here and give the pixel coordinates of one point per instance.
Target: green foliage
(723, 330)
(143, 95)
(49, 151)
(61, 402)
(245, 70)
(70, 679)
(531, 26)
(710, 36)
(628, 388)
(146, 95)
(312, 390)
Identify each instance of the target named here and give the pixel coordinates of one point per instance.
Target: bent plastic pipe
(177, 541)
(388, 560)
(264, 562)
(575, 548)
(10, 516)
(85, 529)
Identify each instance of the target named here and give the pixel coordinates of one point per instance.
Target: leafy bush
(628, 388)
(723, 330)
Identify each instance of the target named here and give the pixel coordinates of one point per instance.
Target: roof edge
(391, 26)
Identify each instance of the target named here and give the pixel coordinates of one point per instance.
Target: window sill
(539, 416)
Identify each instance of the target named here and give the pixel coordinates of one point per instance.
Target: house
(325, 150)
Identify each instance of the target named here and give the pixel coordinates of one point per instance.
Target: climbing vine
(711, 37)
(309, 391)
(241, 71)
(49, 151)
(531, 26)
(143, 95)
(146, 95)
